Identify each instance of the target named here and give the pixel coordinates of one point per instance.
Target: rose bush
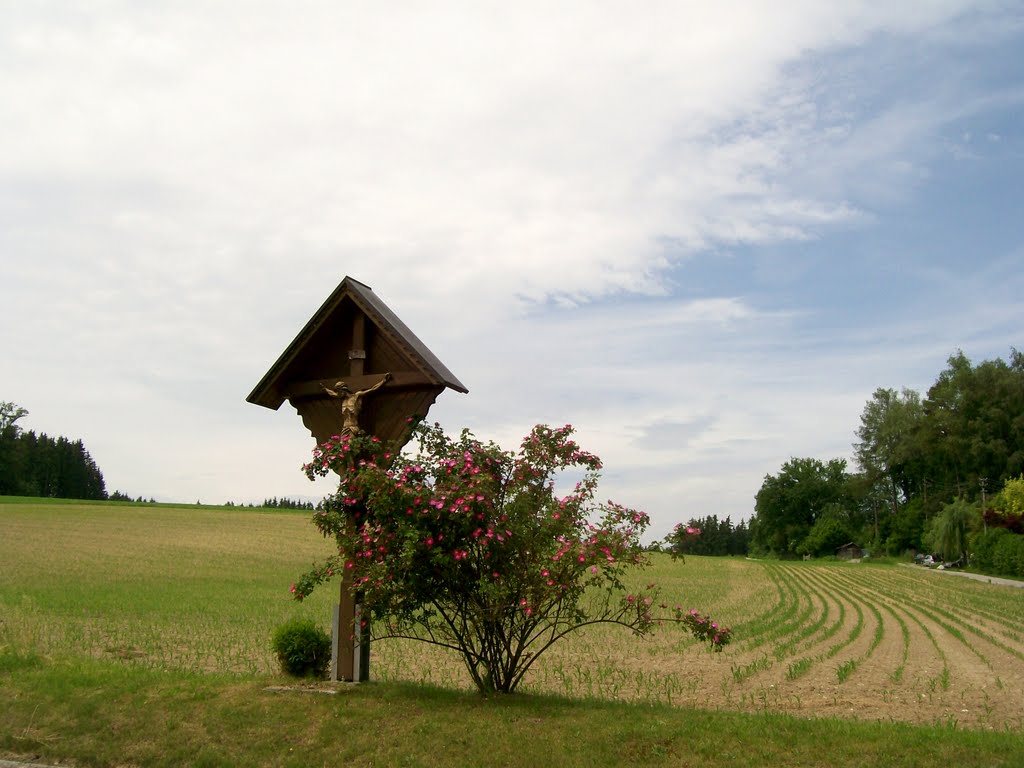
(470, 547)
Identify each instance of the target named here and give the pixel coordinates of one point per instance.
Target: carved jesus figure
(352, 403)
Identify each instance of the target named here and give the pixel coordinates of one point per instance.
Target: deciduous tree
(789, 503)
(889, 428)
(948, 531)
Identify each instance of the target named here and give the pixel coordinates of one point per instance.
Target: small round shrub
(302, 648)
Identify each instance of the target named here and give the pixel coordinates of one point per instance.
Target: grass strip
(96, 713)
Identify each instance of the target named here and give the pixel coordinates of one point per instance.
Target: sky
(702, 233)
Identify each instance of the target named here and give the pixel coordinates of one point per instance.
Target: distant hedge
(999, 551)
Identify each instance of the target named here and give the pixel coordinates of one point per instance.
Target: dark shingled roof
(268, 394)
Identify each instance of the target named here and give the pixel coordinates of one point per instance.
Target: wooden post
(350, 641)
(341, 633)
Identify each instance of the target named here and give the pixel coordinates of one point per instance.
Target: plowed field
(843, 640)
(839, 639)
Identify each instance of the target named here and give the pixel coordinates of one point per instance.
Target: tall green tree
(830, 531)
(788, 504)
(948, 531)
(974, 425)
(889, 432)
(9, 415)
(11, 454)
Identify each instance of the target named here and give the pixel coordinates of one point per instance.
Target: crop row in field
(202, 589)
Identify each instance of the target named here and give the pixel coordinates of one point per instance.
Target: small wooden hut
(849, 551)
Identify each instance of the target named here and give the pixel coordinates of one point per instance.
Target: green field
(138, 635)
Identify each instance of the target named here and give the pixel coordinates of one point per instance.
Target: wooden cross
(353, 331)
(350, 634)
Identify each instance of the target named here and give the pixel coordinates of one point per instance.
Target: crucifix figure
(350, 658)
(352, 403)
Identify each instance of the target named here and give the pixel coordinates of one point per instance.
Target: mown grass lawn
(101, 714)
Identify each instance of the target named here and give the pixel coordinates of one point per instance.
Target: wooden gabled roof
(275, 385)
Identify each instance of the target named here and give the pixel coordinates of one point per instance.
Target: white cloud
(182, 185)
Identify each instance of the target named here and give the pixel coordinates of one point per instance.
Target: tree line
(283, 503)
(120, 496)
(40, 465)
(917, 459)
(709, 536)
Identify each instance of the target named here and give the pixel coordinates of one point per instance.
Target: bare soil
(913, 659)
(818, 640)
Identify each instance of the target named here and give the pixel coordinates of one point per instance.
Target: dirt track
(978, 577)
